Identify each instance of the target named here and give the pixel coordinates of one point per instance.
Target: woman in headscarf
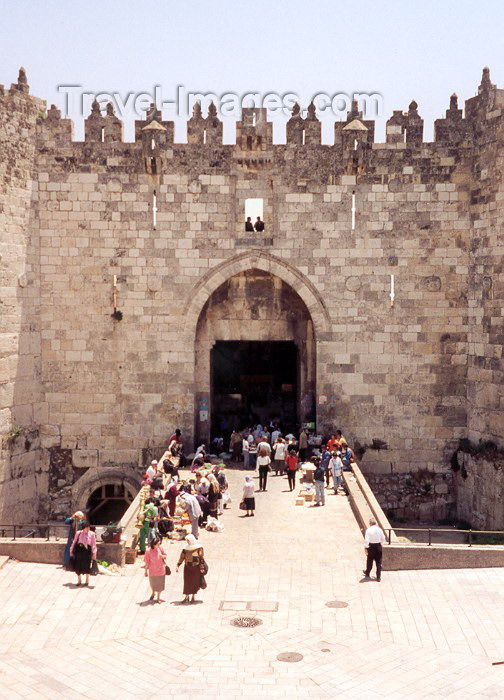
(213, 495)
(248, 495)
(154, 561)
(191, 557)
(75, 522)
(165, 522)
(83, 550)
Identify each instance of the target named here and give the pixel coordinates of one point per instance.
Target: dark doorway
(253, 381)
(108, 503)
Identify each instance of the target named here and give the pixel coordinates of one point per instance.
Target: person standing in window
(259, 225)
(249, 226)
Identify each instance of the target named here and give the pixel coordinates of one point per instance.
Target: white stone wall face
(100, 396)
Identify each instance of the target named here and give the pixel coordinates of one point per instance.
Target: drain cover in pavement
(246, 621)
(290, 656)
(336, 604)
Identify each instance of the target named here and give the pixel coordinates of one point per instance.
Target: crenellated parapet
(304, 131)
(352, 150)
(103, 128)
(203, 131)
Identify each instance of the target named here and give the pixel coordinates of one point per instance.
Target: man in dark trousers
(373, 541)
(249, 226)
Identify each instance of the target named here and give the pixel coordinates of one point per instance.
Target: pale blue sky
(409, 49)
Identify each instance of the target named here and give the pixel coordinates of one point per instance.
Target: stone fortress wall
(164, 222)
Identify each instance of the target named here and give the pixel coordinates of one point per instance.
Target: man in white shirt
(193, 509)
(152, 469)
(373, 541)
(264, 447)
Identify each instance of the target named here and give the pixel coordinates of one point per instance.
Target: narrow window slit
(204, 136)
(154, 209)
(102, 134)
(353, 211)
(153, 144)
(303, 137)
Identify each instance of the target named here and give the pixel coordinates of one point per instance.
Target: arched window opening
(108, 503)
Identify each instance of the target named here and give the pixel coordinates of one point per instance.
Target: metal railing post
(470, 538)
(389, 535)
(15, 532)
(430, 537)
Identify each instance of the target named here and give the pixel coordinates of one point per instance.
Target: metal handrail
(430, 530)
(24, 530)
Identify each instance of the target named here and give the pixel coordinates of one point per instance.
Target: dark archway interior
(253, 381)
(108, 503)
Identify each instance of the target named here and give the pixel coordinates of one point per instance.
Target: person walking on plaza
(213, 495)
(191, 556)
(280, 453)
(75, 522)
(252, 454)
(248, 496)
(154, 560)
(347, 457)
(303, 445)
(245, 452)
(336, 466)
(263, 463)
(373, 541)
(193, 509)
(83, 551)
(292, 462)
(235, 445)
(325, 458)
(149, 517)
(318, 478)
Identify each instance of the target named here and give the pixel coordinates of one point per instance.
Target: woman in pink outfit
(154, 560)
(83, 551)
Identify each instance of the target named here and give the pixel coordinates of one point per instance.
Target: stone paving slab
(417, 634)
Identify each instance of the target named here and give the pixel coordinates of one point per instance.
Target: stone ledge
(397, 557)
(43, 552)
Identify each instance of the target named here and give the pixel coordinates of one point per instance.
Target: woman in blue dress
(76, 522)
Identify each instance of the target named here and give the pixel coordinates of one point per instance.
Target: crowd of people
(203, 495)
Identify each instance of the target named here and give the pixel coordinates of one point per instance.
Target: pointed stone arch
(255, 260)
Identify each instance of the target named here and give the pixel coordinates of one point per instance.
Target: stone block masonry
(158, 227)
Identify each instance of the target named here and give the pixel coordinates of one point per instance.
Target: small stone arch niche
(108, 502)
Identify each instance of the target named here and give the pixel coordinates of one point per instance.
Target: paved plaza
(417, 634)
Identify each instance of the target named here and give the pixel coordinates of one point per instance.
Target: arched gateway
(254, 322)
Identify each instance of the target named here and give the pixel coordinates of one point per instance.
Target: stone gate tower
(124, 265)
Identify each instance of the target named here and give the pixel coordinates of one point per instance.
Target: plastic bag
(214, 525)
(226, 498)
(94, 568)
